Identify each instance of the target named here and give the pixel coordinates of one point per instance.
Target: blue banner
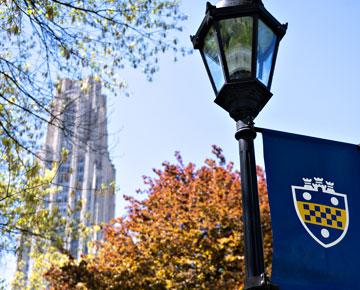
(314, 193)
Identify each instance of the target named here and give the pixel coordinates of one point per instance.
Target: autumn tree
(186, 234)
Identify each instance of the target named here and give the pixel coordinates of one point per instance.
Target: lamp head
(238, 41)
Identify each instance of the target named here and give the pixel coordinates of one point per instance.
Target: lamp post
(238, 42)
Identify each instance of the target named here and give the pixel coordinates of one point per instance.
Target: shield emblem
(322, 211)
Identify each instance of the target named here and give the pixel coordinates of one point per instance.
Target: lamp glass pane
(212, 58)
(237, 38)
(265, 51)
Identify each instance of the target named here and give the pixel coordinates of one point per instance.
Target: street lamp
(238, 41)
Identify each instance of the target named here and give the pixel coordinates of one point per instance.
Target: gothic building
(79, 125)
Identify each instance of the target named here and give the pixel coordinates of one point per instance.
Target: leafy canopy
(43, 41)
(187, 234)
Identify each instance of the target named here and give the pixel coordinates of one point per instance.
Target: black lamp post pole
(238, 41)
(254, 255)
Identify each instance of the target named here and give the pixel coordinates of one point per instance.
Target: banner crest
(322, 211)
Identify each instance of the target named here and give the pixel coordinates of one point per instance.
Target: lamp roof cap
(227, 3)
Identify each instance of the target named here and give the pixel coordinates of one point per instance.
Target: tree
(186, 234)
(31, 223)
(43, 41)
(24, 191)
(23, 188)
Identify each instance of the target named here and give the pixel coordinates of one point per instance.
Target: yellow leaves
(81, 286)
(92, 56)
(27, 67)
(96, 228)
(18, 281)
(103, 187)
(232, 258)
(132, 45)
(64, 154)
(160, 273)
(43, 259)
(5, 141)
(225, 242)
(30, 11)
(65, 52)
(15, 29)
(49, 174)
(129, 17)
(49, 12)
(84, 86)
(33, 171)
(169, 284)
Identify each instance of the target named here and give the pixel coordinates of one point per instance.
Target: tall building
(79, 125)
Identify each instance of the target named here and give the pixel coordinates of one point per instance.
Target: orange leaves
(187, 233)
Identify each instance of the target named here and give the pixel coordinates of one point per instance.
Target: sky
(315, 89)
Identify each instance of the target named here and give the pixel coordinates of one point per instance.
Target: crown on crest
(319, 184)
(319, 180)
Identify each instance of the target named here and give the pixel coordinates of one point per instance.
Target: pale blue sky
(315, 91)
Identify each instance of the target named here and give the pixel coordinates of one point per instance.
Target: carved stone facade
(81, 128)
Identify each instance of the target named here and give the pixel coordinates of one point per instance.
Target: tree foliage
(23, 188)
(42, 41)
(30, 221)
(186, 234)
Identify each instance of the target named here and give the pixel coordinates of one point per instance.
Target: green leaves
(44, 41)
(30, 220)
